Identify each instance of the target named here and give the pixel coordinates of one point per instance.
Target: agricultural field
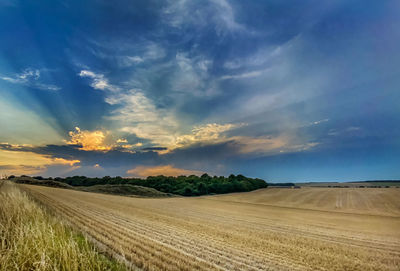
(362, 184)
(267, 229)
(374, 201)
(33, 239)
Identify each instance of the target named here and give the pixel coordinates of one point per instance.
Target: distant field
(268, 229)
(381, 184)
(375, 201)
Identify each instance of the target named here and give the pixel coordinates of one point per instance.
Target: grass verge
(32, 239)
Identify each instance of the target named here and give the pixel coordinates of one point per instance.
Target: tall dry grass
(31, 239)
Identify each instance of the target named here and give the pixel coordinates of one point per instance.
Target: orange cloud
(89, 140)
(62, 161)
(23, 162)
(20, 170)
(167, 170)
(130, 146)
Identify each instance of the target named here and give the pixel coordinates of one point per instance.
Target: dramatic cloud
(139, 116)
(262, 88)
(89, 140)
(167, 170)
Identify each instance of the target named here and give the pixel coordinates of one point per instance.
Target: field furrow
(135, 247)
(211, 234)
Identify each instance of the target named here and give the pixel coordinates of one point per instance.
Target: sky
(279, 90)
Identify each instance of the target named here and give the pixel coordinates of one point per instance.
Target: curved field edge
(113, 189)
(32, 239)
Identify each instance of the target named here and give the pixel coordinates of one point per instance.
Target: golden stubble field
(268, 229)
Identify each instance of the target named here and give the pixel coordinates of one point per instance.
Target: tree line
(182, 185)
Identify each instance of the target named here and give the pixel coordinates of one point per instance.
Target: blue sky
(280, 90)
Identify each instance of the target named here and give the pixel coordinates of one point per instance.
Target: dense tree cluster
(182, 185)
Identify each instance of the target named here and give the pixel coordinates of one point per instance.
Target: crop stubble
(242, 231)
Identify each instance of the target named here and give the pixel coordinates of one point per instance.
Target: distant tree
(202, 189)
(205, 176)
(188, 191)
(240, 178)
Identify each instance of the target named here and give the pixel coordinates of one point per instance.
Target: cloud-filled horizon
(305, 91)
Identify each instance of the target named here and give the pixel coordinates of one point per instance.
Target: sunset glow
(136, 88)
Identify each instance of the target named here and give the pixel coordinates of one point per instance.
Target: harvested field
(374, 201)
(247, 231)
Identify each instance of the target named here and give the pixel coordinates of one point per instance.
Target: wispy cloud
(29, 77)
(144, 53)
(349, 131)
(243, 75)
(227, 16)
(191, 75)
(318, 122)
(127, 61)
(137, 114)
(219, 13)
(99, 81)
(205, 134)
(262, 56)
(270, 145)
(127, 54)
